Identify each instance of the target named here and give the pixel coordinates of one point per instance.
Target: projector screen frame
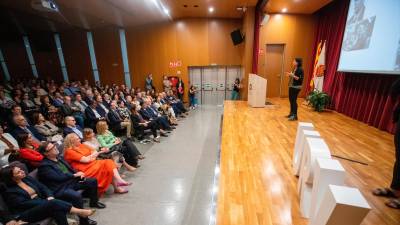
(383, 72)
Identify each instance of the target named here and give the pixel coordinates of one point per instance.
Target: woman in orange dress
(83, 158)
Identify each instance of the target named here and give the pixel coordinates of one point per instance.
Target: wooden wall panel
(46, 60)
(195, 42)
(76, 55)
(108, 55)
(247, 59)
(297, 33)
(17, 60)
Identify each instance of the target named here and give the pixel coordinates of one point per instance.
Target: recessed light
(196, 6)
(211, 9)
(284, 10)
(166, 11)
(185, 6)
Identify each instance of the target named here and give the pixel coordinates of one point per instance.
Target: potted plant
(318, 100)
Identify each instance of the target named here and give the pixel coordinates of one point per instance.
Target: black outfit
(294, 90)
(396, 118)
(65, 186)
(152, 125)
(36, 209)
(114, 119)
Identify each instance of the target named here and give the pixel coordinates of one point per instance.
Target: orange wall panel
(297, 33)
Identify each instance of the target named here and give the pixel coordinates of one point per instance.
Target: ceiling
(295, 6)
(89, 14)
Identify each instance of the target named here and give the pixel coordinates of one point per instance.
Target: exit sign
(175, 64)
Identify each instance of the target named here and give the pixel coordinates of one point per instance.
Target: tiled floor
(174, 185)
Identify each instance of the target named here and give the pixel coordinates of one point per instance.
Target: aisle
(173, 186)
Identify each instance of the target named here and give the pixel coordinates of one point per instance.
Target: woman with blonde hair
(82, 158)
(89, 138)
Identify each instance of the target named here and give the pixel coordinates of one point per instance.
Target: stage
(256, 185)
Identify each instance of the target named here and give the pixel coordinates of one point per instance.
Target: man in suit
(22, 127)
(101, 108)
(67, 109)
(150, 114)
(82, 105)
(92, 115)
(116, 122)
(71, 127)
(65, 182)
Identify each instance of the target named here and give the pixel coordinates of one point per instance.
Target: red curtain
(364, 97)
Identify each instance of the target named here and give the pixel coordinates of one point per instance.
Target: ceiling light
(211, 9)
(284, 10)
(166, 11)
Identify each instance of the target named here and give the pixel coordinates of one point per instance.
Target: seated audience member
(90, 140)
(101, 108)
(28, 105)
(49, 111)
(82, 105)
(117, 122)
(106, 100)
(71, 127)
(16, 110)
(65, 182)
(22, 127)
(83, 159)
(126, 147)
(89, 97)
(123, 111)
(150, 114)
(8, 145)
(92, 115)
(32, 201)
(47, 129)
(5, 101)
(27, 152)
(67, 109)
(140, 125)
(58, 100)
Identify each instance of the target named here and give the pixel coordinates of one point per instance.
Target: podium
(257, 91)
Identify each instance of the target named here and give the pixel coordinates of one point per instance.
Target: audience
(33, 201)
(65, 182)
(37, 115)
(82, 158)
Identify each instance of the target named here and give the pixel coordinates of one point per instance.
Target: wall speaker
(237, 37)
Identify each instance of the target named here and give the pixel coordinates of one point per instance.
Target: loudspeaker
(237, 37)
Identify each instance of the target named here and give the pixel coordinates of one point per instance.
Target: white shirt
(4, 146)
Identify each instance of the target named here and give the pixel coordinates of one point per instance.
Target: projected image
(359, 30)
(397, 62)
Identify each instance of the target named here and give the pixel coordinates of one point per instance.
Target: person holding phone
(295, 83)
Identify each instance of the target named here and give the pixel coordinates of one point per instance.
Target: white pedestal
(327, 171)
(257, 91)
(341, 206)
(299, 148)
(314, 148)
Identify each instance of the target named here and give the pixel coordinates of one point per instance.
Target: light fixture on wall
(284, 10)
(211, 9)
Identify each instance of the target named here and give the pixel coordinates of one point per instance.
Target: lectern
(257, 91)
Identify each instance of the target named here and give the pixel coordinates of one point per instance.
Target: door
(208, 89)
(274, 58)
(220, 85)
(195, 80)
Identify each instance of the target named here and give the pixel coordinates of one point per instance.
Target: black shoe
(86, 221)
(173, 128)
(293, 118)
(164, 135)
(98, 205)
(288, 116)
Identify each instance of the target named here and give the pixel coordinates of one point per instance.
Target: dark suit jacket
(68, 130)
(18, 130)
(145, 114)
(101, 111)
(91, 119)
(51, 175)
(114, 119)
(19, 200)
(66, 110)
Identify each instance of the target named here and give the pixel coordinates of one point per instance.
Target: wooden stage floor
(256, 184)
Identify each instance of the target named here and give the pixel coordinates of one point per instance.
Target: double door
(214, 84)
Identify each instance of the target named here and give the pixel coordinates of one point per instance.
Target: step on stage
(257, 185)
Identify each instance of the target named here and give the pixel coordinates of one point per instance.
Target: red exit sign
(175, 64)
